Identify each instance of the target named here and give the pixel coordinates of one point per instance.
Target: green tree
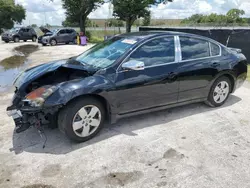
(147, 19)
(33, 25)
(10, 14)
(77, 11)
(72, 23)
(234, 15)
(115, 23)
(131, 10)
(196, 18)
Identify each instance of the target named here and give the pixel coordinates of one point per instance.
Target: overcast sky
(40, 10)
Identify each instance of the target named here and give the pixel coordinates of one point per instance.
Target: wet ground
(10, 67)
(193, 146)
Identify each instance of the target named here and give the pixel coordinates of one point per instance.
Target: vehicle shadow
(57, 143)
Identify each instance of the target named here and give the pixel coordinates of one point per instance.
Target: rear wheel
(24, 40)
(16, 39)
(82, 119)
(219, 92)
(6, 41)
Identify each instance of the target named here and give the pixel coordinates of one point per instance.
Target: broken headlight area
(32, 112)
(37, 97)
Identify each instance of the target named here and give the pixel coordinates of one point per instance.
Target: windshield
(106, 53)
(55, 30)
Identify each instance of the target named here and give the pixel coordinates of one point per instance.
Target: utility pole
(44, 12)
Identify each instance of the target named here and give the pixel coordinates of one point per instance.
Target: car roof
(151, 34)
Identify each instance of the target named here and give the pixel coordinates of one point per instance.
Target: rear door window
(215, 49)
(192, 48)
(69, 31)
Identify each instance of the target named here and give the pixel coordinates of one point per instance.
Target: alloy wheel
(86, 121)
(221, 92)
(53, 42)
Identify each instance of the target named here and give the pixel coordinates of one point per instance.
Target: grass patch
(102, 33)
(97, 36)
(96, 40)
(248, 73)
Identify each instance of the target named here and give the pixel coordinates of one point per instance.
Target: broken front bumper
(28, 116)
(14, 114)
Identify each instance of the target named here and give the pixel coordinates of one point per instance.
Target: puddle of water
(12, 62)
(26, 49)
(12, 66)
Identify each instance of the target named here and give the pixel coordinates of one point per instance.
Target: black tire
(34, 39)
(44, 44)
(16, 39)
(53, 42)
(66, 42)
(211, 101)
(6, 41)
(67, 114)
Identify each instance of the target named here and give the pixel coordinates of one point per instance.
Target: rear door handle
(215, 64)
(171, 75)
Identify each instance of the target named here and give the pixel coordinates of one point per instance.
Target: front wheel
(53, 42)
(82, 119)
(34, 39)
(219, 92)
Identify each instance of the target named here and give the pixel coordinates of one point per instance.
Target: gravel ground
(194, 146)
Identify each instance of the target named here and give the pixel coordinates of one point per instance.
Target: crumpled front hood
(45, 30)
(31, 74)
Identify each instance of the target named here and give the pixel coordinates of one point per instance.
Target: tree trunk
(82, 24)
(128, 25)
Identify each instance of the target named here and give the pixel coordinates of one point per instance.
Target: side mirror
(133, 65)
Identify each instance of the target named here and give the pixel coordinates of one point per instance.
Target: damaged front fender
(69, 90)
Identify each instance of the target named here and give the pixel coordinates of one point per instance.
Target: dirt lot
(192, 146)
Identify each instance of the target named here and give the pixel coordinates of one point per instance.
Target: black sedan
(126, 75)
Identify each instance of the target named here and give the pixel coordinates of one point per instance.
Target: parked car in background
(46, 32)
(126, 75)
(17, 34)
(60, 36)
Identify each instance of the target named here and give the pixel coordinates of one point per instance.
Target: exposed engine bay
(62, 74)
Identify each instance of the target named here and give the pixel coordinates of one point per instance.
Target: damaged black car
(126, 75)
